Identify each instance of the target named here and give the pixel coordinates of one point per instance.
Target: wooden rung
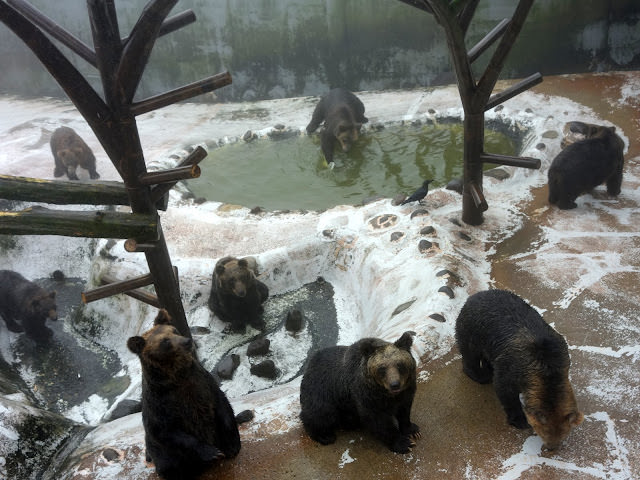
(523, 162)
(173, 23)
(133, 246)
(477, 196)
(513, 90)
(138, 294)
(171, 175)
(487, 41)
(193, 158)
(115, 288)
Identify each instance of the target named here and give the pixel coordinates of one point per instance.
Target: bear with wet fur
(505, 340)
(188, 421)
(25, 306)
(70, 152)
(343, 116)
(370, 384)
(236, 294)
(585, 164)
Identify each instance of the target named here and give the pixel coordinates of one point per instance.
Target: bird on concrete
(419, 194)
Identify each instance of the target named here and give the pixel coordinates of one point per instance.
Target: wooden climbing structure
(112, 116)
(455, 16)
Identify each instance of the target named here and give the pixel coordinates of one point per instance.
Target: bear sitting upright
(188, 421)
(585, 164)
(504, 340)
(370, 384)
(236, 294)
(343, 116)
(25, 306)
(70, 152)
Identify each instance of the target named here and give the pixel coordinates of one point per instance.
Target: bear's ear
(405, 341)
(136, 344)
(242, 263)
(219, 269)
(368, 346)
(163, 318)
(53, 294)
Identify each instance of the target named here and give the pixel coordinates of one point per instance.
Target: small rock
(256, 210)
(110, 454)
(198, 330)
(294, 321)
(541, 146)
(497, 173)
(383, 221)
(420, 212)
(498, 108)
(259, 346)
(447, 291)
(437, 317)
(124, 408)
(398, 199)
(266, 369)
(245, 416)
(329, 232)
(464, 236)
(248, 136)
(455, 185)
(431, 111)
(395, 236)
(455, 221)
(58, 275)
(424, 245)
(227, 366)
(320, 280)
(402, 307)
(428, 230)
(199, 200)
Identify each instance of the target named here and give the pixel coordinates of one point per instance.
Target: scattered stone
(497, 173)
(199, 330)
(420, 212)
(447, 291)
(199, 200)
(424, 245)
(124, 408)
(245, 416)
(320, 280)
(464, 236)
(398, 199)
(455, 185)
(386, 220)
(256, 210)
(437, 317)
(248, 136)
(431, 111)
(416, 122)
(259, 346)
(395, 236)
(528, 110)
(329, 232)
(455, 221)
(227, 366)
(498, 108)
(110, 454)
(541, 146)
(279, 126)
(265, 369)
(552, 134)
(402, 307)
(294, 321)
(58, 275)
(428, 230)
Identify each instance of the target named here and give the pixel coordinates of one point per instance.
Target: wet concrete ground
(465, 434)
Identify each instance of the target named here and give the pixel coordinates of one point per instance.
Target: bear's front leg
(71, 173)
(509, 397)
(404, 422)
(383, 426)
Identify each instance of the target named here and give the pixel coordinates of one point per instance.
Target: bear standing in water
(70, 152)
(343, 116)
(370, 384)
(585, 164)
(25, 306)
(188, 421)
(504, 340)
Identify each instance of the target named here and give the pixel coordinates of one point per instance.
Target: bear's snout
(53, 315)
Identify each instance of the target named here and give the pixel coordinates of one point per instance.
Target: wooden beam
(183, 93)
(114, 288)
(131, 245)
(172, 175)
(60, 192)
(466, 14)
(514, 90)
(142, 295)
(488, 40)
(68, 223)
(523, 162)
(477, 196)
(193, 158)
(174, 23)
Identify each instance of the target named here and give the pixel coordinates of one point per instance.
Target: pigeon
(419, 194)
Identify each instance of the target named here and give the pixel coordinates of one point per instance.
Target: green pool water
(291, 174)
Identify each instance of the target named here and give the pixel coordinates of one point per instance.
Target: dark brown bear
(236, 294)
(25, 306)
(70, 152)
(370, 385)
(343, 116)
(584, 165)
(504, 340)
(188, 421)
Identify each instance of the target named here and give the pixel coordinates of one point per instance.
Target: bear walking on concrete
(585, 164)
(504, 340)
(25, 306)
(343, 116)
(370, 384)
(188, 421)
(70, 152)
(236, 294)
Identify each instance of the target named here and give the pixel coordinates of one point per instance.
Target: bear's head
(43, 306)
(390, 365)
(347, 133)
(71, 156)
(235, 276)
(163, 352)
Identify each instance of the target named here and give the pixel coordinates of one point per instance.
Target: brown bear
(188, 421)
(70, 152)
(236, 294)
(25, 306)
(504, 340)
(343, 116)
(370, 385)
(585, 164)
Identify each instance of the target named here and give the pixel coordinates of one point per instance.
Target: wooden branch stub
(115, 288)
(183, 93)
(43, 221)
(514, 90)
(523, 162)
(488, 40)
(133, 246)
(60, 192)
(138, 294)
(171, 175)
(193, 158)
(477, 196)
